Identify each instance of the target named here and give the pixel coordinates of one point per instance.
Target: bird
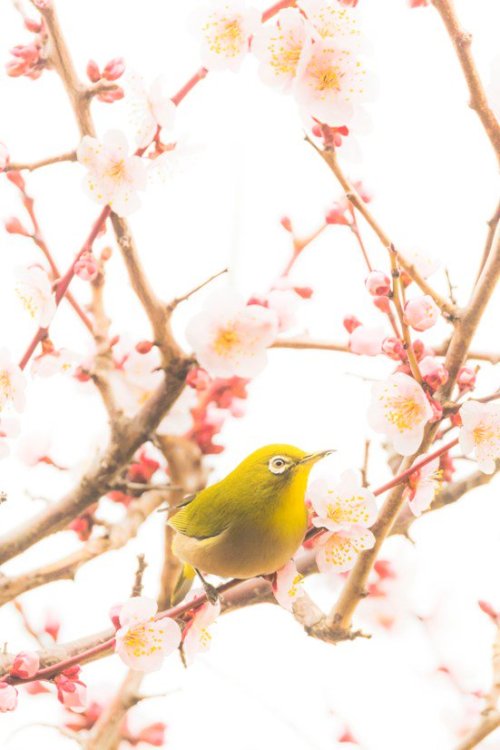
(250, 523)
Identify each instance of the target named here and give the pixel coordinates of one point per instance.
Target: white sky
(264, 683)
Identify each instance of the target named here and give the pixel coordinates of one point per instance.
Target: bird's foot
(211, 592)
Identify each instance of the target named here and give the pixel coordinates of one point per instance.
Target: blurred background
(243, 165)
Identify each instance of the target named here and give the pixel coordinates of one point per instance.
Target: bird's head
(278, 463)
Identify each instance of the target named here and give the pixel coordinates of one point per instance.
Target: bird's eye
(278, 465)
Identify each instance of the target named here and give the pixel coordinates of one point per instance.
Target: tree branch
(17, 166)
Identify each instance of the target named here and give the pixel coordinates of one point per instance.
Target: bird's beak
(313, 457)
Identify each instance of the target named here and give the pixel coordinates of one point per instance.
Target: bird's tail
(183, 584)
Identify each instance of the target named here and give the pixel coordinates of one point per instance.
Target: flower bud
(421, 313)
(52, 626)
(71, 692)
(466, 379)
(433, 372)
(106, 253)
(336, 214)
(25, 665)
(93, 72)
(437, 410)
(153, 735)
(384, 569)
(378, 283)
(111, 96)
(393, 348)
(489, 610)
(86, 267)
(8, 697)
(365, 340)
(14, 226)
(286, 223)
(144, 347)
(198, 378)
(34, 26)
(456, 419)
(350, 323)
(306, 292)
(4, 156)
(114, 615)
(17, 179)
(382, 304)
(114, 69)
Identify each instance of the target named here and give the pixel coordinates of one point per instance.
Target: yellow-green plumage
(250, 523)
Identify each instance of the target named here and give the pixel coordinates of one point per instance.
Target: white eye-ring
(278, 465)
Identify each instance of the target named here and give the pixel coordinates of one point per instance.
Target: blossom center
(5, 383)
(143, 639)
(485, 433)
(226, 340)
(226, 37)
(403, 413)
(285, 59)
(116, 170)
(28, 302)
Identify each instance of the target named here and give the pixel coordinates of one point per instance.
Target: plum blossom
(287, 585)
(400, 410)
(278, 47)
(34, 448)
(230, 338)
(8, 697)
(52, 362)
(196, 636)
(71, 691)
(285, 303)
(113, 177)
(481, 433)
(421, 313)
(136, 375)
(378, 283)
(25, 665)
(12, 383)
(423, 485)
(433, 372)
(424, 264)
(367, 340)
(143, 642)
(151, 108)
(9, 428)
(225, 28)
(339, 551)
(343, 504)
(34, 289)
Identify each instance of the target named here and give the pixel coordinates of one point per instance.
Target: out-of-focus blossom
(143, 642)
(151, 107)
(367, 340)
(339, 551)
(34, 448)
(25, 665)
(378, 283)
(230, 338)
(10, 427)
(12, 383)
(27, 60)
(54, 361)
(113, 177)
(400, 410)
(14, 226)
(433, 372)
(71, 691)
(350, 323)
(466, 379)
(4, 156)
(421, 313)
(8, 697)
(196, 636)
(278, 46)
(225, 28)
(153, 734)
(287, 585)
(423, 264)
(285, 303)
(423, 485)
(394, 348)
(179, 419)
(34, 289)
(86, 267)
(136, 375)
(418, 3)
(343, 504)
(481, 433)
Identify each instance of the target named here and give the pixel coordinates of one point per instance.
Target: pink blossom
(225, 29)
(394, 348)
(93, 72)
(433, 372)
(400, 410)
(423, 485)
(71, 691)
(34, 448)
(481, 433)
(152, 108)
(8, 697)
(54, 362)
(278, 46)
(113, 177)
(421, 313)
(285, 303)
(114, 69)
(86, 267)
(424, 264)
(366, 340)
(230, 338)
(196, 636)
(14, 226)
(34, 289)
(340, 550)
(350, 323)
(466, 379)
(378, 283)
(12, 383)
(338, 214)
(287, 585)
(25, 665)
(343, 504)
(143, 642)
(9, 428)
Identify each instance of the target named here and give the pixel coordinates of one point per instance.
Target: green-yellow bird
(251, 522)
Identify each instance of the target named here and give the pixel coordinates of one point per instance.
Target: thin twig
(17, 166)
(141, 567)
(177, 301)
(397, 298)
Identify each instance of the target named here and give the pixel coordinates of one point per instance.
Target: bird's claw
(211, 593)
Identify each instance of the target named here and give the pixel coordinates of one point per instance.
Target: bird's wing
(202, 516)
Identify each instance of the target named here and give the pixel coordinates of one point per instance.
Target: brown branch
(115, 537)
(330, 158)
(106, 732)
(177, 301)
(486, 726)
(17, 166)
(490, 236)
(462, 42)
(397, 298)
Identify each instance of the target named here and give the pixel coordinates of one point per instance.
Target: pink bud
(456, 419)
(8, 697)
(26, 664)
(378, 283)
(336, 214)
(303, 291)
(32, 25)
(418, 347)
(36, 688)
(144, 347)
(418, 3)
(4, 156)
(106, 253)
(71, 692)
(17, 179)
(489, 610)
(433, 372)
(350, 323)
(286, 223)
(384, 569)
(114, 69)
(111, 96)
(466, 379)
(93, 72)
(14, 226)
(437, 410)
(86, 267)
(154, 734)
(114, 615)
(366, 340)
(52, 625)
(198, 378)
(382, 303)
(394, 348)
(421, 313)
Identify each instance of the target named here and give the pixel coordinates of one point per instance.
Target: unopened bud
(17, 179)
(144, 347)
(286, 223)
(14, 226)
(393, 348)
(111, 96)
(466, 379)
(378, 283)
(382, 304)
(114, 69)
(351, 322)
(93, 72)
